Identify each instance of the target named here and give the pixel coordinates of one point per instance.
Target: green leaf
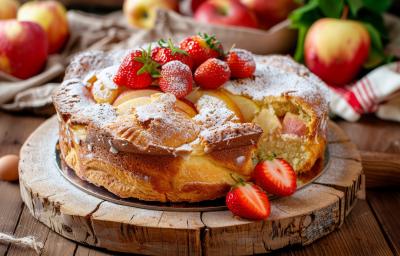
(331, 8)
(305, 14)
(375, 19)
(355, 6)
(375, 58)
(299, 53)
(377, 6)
(376, 40)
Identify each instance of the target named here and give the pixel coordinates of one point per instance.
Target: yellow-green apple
(8, 9)
(247, 107)
(131, 94)
(335, 49)
(104, 94)
(52, 16)
(225, 12)
(23, 48)
(128, 107)
(270, 12)
(143, 13)
(133, 98)
(268, 121)
(228, 102)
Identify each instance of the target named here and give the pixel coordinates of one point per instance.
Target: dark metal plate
(213, 205)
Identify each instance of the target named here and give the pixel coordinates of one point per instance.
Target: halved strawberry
(137, 70)
(176, 78)
(248, 201)
(167, 52)
(202, 47)
(276, 176)
(212, 74)
(241, 63)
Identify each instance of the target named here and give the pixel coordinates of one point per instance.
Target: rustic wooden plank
(381, 169)
(372, 134)
(386, 205)
(86, 251)
(359, 235)
(13, 132)
(28, 226)
(10, 209)
(58, 245)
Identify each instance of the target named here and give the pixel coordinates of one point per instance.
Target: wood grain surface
(345, 241)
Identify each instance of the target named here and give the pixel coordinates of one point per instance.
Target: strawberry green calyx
(212, 42)
(169, 44)
(271, 157)
(149, 65)
(239, 181)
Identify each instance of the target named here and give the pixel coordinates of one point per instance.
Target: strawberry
(248, 201)
(137, 70)
(241, 63)
(167, 52)
(212, 74)
(276, 176)
(202, 47)
(176, 78)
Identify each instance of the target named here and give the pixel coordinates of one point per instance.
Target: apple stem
(345, 12)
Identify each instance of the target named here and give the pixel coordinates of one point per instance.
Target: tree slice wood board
(300, 219)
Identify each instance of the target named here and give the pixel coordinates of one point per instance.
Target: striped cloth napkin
(378, 92)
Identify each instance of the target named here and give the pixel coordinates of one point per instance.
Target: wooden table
(372, 228)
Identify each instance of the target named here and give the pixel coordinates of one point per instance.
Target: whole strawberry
(248, 201)
(167, 51)
(176, 78)
(212, 74)
(137, 70)
(202, 47)
(276, 176)
(241, 63)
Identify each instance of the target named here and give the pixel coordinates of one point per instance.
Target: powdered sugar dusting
(106, 76)
(280, 75)
(245, 56)
(158, 110)
(213, 112)
(223, 64)
(274, 76)
(177, 77)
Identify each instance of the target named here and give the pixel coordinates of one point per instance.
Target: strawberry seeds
(198, 59)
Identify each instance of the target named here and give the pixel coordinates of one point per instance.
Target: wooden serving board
(300, 219)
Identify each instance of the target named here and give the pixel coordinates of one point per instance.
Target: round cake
(150, 145)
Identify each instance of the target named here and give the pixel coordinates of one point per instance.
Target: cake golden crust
(157, 153)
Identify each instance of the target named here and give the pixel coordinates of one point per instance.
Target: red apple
(52, 16)
(195, 4)
(23, 48)
(226, 12)
(8, 9)
(143, 13)
(335, 49)
(270, 12)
